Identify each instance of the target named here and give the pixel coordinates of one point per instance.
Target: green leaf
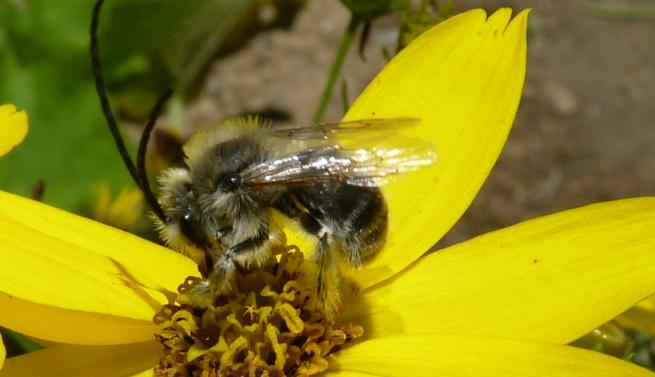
(44, 69)
(17, 343)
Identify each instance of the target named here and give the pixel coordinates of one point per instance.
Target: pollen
(270, 326)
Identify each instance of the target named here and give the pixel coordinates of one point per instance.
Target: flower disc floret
(270, 325)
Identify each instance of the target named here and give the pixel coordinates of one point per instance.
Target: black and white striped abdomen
(356, 216)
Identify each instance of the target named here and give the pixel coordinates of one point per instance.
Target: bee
(326, 178)
(218, 208)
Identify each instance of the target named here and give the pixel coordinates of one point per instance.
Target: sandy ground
(585, 131)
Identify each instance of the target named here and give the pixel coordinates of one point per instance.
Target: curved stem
(346, 41)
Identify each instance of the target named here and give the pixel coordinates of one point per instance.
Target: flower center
(271, 326)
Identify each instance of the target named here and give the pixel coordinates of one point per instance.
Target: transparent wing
(361, 129)
(356, 165)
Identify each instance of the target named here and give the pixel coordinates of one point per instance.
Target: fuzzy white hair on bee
(205, 139)
(176, 188)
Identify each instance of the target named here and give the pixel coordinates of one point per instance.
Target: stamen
(271, 326)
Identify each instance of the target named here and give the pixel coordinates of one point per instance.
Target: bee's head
(216, 173)
(184, 228)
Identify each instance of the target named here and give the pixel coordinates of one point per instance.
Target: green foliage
(18, 344)
(145, 46)
(44, 69)
(149, 45)
(369, 9)
(416, 21)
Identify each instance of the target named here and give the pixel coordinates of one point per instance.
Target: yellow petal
(550, 279)
(122, 211)
(3, 352)
(84, 361)
(146, 373)
(648, 303)
(459, 355)
(463, 79)
(13, 127)
(638, 318)
(69, 279)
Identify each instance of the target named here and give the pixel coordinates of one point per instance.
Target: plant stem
(623, 12)
(346, 41)
(345, 101)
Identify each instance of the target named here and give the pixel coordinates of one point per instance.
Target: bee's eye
(229, 182)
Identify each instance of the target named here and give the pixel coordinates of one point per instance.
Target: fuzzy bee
(218, 208)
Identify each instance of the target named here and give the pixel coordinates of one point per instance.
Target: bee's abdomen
(362, 215)
(357, 217)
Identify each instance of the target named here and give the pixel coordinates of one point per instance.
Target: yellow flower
(122, 212)
(640, 317)
(13, 128)
(3, 352)
(504, 303)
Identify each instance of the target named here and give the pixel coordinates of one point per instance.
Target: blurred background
(585, 131)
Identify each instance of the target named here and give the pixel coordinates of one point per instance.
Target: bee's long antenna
(139, 173)
(141, 156)
(102, 94)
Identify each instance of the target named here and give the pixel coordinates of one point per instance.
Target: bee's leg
(309, 222)
(249, 253)
(206, 265)
(217, 248)
(219, 280)
(327, 284)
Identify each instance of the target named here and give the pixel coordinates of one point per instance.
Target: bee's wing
(361, 129)
(359, 165)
